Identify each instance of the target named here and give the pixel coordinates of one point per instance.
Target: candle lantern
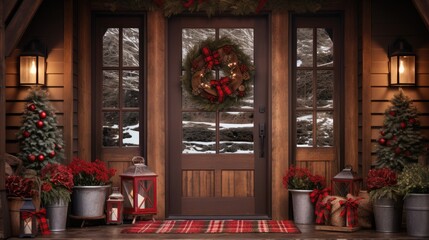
(27, 219)
(139, 189)
(345, 182)
(114, 207)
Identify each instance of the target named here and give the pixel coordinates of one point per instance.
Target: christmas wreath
(233, 66)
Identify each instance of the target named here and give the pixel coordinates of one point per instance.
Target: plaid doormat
(213, 226)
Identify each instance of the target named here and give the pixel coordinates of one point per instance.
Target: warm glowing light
(33, 69)
(401, 67)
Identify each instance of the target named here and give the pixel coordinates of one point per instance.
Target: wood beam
(9, 5)
(19, 23)
(422, 7)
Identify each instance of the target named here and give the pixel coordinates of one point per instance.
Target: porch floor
(308, 232)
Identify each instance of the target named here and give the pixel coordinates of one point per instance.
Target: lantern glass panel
(32, 70)
(127, 185)
(406, 69)
(146, 194)
(394, 70)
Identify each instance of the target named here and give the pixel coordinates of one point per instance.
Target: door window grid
(120, 87)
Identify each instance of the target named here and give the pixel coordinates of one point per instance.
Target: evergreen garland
(40, 139)
(213, 7)
(400, 141)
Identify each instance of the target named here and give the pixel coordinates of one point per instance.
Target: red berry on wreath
(403, 125)
(26, 134)
(31, 107)
(382, 133)
(392, 113)
(41, 157)
(382, 141)
(31, 157)
(40, 124)
(42, 115)
(412, 121)
(51, 154)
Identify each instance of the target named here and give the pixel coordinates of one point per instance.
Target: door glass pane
(325, 89)
(304, 129)
(236, 132)
(304, 89)
(130, 45)
(192, 36)
(130, 87)
(110, 88)
(244, 38)
(199, 132)
(325, 129)
(130, 129)
(325, 48)
(110, 129)
(304, 50)
(111, 48)
(218, 132)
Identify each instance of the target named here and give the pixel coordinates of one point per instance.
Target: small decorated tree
(40, 139)
(400, 141)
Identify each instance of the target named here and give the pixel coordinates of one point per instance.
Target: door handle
(262, 139)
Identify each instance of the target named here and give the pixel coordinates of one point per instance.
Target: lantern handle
(138, 160)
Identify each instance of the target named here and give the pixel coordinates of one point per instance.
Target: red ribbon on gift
(41, 219)
(210, 58)
(222, 87)
(351, 209)
(317, 195)
(323, 211)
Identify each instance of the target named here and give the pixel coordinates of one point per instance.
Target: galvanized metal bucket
(388, 215)
(89, 201)
(303, 209)
(57, 215)
(417, 209)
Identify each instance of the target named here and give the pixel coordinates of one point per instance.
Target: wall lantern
(32, 64)
(346, 182)
(402, 64)
(27, 219)
(139, 189)
(114, 207)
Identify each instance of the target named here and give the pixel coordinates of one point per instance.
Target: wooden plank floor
(98, 232)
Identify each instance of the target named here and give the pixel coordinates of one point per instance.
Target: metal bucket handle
(138, 160)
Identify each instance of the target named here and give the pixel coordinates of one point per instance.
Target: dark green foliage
(400, 141)
(36, 141)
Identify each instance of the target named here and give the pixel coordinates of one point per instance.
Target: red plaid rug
(213, 226)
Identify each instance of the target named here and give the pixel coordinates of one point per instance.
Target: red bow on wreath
(323, 211)
(221, 87)
(41, 219)
(210, 58)
(317, 195)
(351, 208)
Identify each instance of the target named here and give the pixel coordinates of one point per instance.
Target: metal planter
(417, 210)
(89, 201)
(303, 209)
(387, 215)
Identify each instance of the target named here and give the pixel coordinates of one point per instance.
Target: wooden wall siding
(237, 183)
(197, 183)
(388, 22)
(49, 18)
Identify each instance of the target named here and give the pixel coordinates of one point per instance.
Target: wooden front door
(218, 160)
(318, 93)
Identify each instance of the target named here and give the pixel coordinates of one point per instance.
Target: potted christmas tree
(41, 144)
(399, 145)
